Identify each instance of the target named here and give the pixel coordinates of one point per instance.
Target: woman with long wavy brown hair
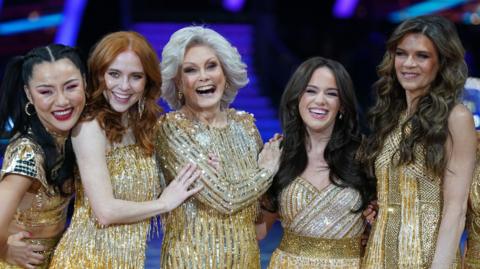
(116, 194)
(421, 149)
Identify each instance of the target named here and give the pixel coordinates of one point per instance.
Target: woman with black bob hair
(42, 96)
(320, 188)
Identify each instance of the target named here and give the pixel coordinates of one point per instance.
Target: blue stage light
(423, 8)
(33, 24)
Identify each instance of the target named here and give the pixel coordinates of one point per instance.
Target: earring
(340, 116)
(180, 95)
(26, 109)
(227, 85)
(141, 106)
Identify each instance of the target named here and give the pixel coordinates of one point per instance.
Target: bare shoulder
(460, 117)
(462, 128)
(88, 134)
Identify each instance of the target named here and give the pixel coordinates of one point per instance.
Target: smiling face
(125, 81)
(202, 80)
(57, 92)
(416, 64)
(320, 102)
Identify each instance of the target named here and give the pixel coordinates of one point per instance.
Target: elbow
(105, 215)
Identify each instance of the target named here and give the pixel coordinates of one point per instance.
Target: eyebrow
(119, 71)
(422, 51)
(313, 86)
(208, 60)
(51, 86)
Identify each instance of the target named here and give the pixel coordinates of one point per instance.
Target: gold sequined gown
(86, 243)
(319, 228)
(39, 210)
(410, 207)
(215, 228)
(472, 257)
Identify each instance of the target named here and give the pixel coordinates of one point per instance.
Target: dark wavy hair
(340, 152)
(13, 98)
(102, 55)
(428, 124)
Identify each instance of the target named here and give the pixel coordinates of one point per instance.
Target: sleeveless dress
(319, 228)
(216, 227)
(472, 256)
(410, 209)
(86, 243)
(42, 208)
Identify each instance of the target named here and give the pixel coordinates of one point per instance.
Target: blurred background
(273, 37)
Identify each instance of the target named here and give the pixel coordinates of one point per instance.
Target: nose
(125, 83)
(62, 99)
(203, 75)
(320, 98)
(410, 62)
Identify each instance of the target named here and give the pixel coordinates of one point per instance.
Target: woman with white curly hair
(202, 73)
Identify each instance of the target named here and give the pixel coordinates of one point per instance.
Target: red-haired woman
(116, 196)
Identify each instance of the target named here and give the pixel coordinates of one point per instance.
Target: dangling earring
(180, 95)
(141, 106)
(26, 109)
(227, 86)
(340, 116)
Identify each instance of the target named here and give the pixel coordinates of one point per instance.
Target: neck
(125, 119)
(212, 117)
(317, 142)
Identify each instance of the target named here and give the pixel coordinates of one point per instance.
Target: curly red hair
(103, 54)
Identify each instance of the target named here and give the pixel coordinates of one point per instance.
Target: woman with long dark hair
(421, 149)
(320, 188)
(42, 96)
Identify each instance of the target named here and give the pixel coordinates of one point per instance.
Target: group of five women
(99, 136)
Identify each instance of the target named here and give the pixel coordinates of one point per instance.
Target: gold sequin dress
(472, 257)
(42, 209)
(319, 228)
(86, 243)
(215, 228)
(410, 208)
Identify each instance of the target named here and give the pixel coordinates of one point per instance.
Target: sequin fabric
(215, 228)
(41, 209)
(320, 230)
(472, 257)
(86, 243)
(410, 205)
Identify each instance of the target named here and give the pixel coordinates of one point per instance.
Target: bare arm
(267, 221)
(12, 248)
(461, 148)
(90, 143)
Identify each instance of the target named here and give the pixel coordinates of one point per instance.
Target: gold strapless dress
(320, 230)
(86, 243)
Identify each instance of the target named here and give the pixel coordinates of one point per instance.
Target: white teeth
(63, 112)
(122, 96)
(318, 111)
(205, 88)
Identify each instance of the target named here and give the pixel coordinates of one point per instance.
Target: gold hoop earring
(26, 109)
(141, 106)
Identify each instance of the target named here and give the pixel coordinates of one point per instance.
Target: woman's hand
(269, 157)
(178, 190)
(21, 253)
(370, 212)
(214, 162)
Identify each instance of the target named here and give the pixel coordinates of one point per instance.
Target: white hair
(173, 53)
